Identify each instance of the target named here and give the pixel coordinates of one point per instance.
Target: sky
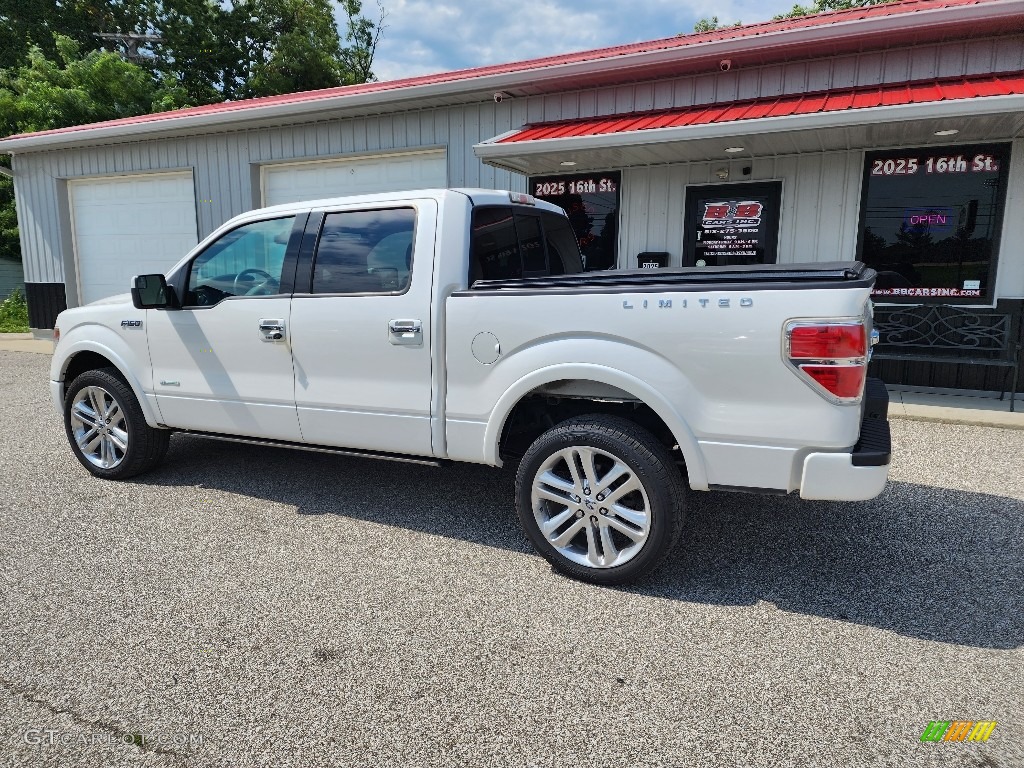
(427, 36)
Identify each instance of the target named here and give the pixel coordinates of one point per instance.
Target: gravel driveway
(245, 607)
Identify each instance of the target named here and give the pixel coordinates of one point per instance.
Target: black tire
(146, 446)
(663, 499)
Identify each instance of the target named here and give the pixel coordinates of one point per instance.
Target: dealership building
(893, 134)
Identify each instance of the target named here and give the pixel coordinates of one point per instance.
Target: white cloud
(425, 36)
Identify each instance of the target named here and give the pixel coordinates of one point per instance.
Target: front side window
(247, 261)
(930, 220)
(365, 252)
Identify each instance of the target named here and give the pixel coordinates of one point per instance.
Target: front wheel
(107, 429)
(601, 498)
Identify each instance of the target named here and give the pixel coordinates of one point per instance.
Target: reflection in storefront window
(930, 220)
(592, 203)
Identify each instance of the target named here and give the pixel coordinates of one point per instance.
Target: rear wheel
(601, 498)
(107, 429)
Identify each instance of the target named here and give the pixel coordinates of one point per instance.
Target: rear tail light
(827, 342)
(831, 356)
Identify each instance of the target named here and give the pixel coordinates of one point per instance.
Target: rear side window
(494, 251)
(365, 252)
(563, 250)
(509, 243)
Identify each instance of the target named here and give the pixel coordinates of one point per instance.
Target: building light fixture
(947, 132)
(734, 150)
(568, 163)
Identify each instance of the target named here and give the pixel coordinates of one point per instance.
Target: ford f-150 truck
(460, 325)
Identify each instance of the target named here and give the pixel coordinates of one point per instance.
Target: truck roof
(477, 196)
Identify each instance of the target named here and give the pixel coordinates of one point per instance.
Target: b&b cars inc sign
(730, 232)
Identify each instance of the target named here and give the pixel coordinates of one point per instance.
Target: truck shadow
(925, 562)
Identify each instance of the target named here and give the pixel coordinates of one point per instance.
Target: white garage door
(292, 182)
(129, 225)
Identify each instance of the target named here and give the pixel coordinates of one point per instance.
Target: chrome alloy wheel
(99, 427)
(591, 507)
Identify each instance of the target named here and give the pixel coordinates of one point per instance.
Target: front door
(730, 224)
(361, 332)
(223, 362)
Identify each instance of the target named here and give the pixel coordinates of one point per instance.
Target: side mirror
(152, 292)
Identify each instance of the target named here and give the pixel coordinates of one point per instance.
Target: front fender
(132, 360)
(602, 374)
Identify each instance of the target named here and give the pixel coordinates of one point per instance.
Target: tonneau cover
(821, 272)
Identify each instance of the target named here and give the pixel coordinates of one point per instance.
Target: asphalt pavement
(244, 606)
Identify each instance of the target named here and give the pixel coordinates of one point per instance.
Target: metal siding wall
(221, 162)
(12, 278)
(820, 200)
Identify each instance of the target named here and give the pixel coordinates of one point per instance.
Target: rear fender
(627, 382)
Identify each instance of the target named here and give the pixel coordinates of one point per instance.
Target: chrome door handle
(409, 332)
(272, 330)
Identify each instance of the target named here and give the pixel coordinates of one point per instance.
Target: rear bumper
(860, 474)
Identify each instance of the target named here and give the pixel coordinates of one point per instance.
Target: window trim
(988, 297)
(287, 267)
(314, 231)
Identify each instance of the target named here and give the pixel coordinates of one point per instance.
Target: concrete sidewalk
(980, 409)
(25, 342)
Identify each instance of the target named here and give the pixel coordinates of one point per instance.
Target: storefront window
(592, 203)
(930, 221)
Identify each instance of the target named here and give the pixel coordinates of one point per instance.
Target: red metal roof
(678, 42)
(918, 92)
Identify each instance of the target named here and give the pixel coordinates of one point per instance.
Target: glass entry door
(732, 224)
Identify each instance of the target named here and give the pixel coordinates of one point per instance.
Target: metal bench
(936, 333)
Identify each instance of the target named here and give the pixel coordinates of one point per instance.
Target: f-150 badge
(131, 323)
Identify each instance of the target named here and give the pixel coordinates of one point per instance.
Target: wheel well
(540, 410)
(85, 361)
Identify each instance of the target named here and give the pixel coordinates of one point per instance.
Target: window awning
(592, 142)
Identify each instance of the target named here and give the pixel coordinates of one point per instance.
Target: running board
(317, 448)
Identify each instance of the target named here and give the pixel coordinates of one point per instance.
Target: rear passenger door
(361, 322)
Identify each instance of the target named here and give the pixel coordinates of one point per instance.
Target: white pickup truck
(459, 325)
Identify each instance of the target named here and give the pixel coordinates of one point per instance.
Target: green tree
(294, 45)
(27, 23)
(711, 23)
(821, 6)
(72, 89)
(196, 53)
(10, 247)
(206, 51)
(362, 36)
